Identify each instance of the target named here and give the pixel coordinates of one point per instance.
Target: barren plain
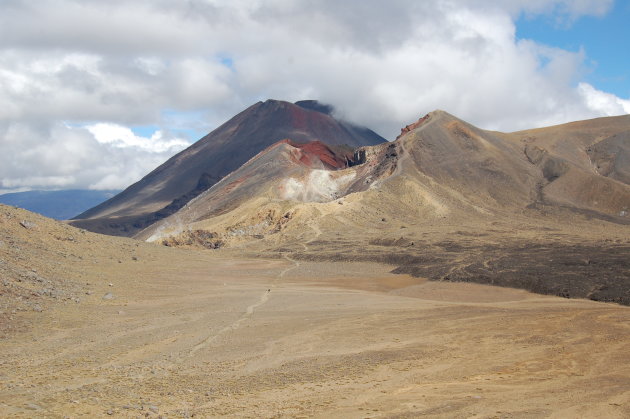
(96, 326)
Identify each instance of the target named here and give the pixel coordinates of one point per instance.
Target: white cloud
(123, 137)
(42, 181)
(105, 66)
(564, 11)
(101, 156)
(602, 102)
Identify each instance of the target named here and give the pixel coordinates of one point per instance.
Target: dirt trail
(403, 157)
(249, 311)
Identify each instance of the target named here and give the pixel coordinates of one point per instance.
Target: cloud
(564, 12)
(604, 103)
(123, 137)
(99, 156)
(75, 76)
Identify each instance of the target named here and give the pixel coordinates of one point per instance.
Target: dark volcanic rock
(600, 273)
(595, 272)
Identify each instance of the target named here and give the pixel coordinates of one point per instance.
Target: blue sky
(181, 124)
(605, 41)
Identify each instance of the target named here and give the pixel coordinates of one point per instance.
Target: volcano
(186, 175)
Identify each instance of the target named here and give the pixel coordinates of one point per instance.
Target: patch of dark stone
(596, 272)
(600, 273)
(203, 238)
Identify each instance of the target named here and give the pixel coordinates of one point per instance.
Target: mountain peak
(417, 124)
(315, 105)
(170, 186)
(437, 115)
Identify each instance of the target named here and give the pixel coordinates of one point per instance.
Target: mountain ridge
(439, 167)
(60, 205)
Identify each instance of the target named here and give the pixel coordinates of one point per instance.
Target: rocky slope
(307, 169)
(585, 165)
(45, 263)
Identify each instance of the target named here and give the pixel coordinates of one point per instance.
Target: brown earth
(183, 333)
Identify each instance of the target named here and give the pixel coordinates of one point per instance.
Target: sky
(95, 94)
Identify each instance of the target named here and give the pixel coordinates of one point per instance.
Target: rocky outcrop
(413, 126)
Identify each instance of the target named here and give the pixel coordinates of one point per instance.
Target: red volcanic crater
(312, 152)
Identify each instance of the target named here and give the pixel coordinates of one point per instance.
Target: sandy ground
(207, 336)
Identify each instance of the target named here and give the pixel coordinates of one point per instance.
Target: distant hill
(60, 205)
